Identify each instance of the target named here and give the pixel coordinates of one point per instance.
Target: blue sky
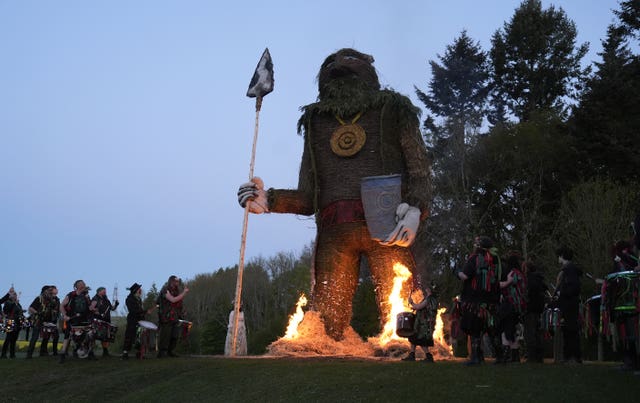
(125, 130)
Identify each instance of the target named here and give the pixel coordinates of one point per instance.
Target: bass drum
(404, 324)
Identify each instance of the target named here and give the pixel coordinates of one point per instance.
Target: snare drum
(48, 328)
(404, 324)
(104, 331)
(186, 327)
(143, 336)
(147, 325)
(622, 291)
(551, 319)
(10, 325)
(25, 323)
(82, 337)
(592, 314)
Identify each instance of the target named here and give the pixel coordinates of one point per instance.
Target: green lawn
(260, 379)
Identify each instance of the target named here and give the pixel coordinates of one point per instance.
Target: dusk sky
(125, 130)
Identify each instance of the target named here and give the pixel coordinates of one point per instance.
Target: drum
(551, 319)
(592, 314)
(48, 328)
(104, 331)
(143, 336)
(147, 325)
(25, 323)
(404, 324)
(9, 325)
(622, 291)
(82, 337)
(186, 328)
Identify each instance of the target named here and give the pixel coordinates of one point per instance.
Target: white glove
(254, 194)
(408, 220)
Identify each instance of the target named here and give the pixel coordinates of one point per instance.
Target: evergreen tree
(456, 97)
(607, 121)
(536, 64)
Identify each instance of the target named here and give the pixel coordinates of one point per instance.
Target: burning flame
(438, 333)
(295, 319)
(397, 303)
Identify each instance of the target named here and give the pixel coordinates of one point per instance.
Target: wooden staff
(261, 84)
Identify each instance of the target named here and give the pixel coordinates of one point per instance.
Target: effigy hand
(253, 193)
(408, 220)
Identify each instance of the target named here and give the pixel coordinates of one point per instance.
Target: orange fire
(295, 319)
(438, 334)
(309, 338)
(397, 303)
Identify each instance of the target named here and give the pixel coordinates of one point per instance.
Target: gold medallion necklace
(348, 139)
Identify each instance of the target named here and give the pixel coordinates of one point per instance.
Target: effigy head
(347, 68)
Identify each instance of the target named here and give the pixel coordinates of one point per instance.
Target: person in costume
(36, 312)
(354, 130)
(75, 309)
(136, 313)
(480, 294)
(102, 307)
(536, 290)
(12, 311)
(52, 313)
(568, 294)
(511, 308)
(426, 311)
(620, 302)
(169, 312)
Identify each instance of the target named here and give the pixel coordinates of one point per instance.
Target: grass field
(261, 379)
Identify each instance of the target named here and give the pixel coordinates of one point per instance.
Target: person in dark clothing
(36, 310)
(102, 307)
(426, 311)
(52, 315)
(480, 294)
(170, 311)
(620, 293)
(568, 293)
(136, 314)
(623, 258)
(76, 311)
(12, 311)
(536, 290)
(511, 307)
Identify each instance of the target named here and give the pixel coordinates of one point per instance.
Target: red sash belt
(340, 212)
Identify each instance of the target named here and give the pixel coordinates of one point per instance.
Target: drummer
(626, 321)
(170, 312)
(426, 309)
(12, 312)
(102, 307)
(136, 314)
(36, 311)
(75, 309)
(623, 258)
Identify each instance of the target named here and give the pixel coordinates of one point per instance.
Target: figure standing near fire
(354, 130)
(480, 294)
(426, 311)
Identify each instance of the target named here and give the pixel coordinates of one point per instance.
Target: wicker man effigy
(355, 130)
